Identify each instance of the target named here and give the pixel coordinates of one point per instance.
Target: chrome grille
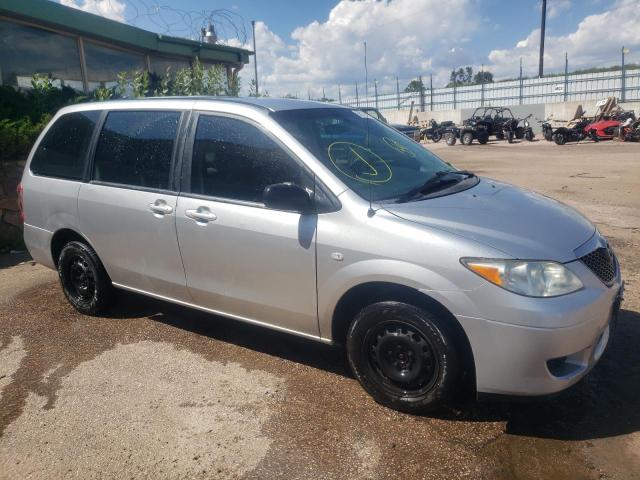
(602, 262)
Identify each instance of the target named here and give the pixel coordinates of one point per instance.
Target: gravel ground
(158, 391)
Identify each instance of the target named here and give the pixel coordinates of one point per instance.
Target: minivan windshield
(373, 159)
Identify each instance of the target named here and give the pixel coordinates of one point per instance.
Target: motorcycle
(575, 133)
(435, 131)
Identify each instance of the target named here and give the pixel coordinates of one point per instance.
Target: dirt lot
(154, 390)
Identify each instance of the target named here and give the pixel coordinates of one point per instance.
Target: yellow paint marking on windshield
(398, 146)
(379, 169)
(374, 172)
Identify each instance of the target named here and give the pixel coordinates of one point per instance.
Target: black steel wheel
(404, 356)
(83, 278)
(436, 137)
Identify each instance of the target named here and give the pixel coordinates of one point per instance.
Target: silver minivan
(320, 221)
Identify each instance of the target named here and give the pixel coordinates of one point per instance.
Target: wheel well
(366, 294)
(60, 239)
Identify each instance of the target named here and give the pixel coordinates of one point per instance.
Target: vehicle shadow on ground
(12, 259)
(253, 337)
(604, 404)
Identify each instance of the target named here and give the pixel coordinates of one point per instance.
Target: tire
(450, 138)
(483, 140)
(404, 357)
(436, 137)
(519, 133)
(528, 135)
(559, 138)
(548, 135)
(509, 136)
(84, 280)
(467, 138)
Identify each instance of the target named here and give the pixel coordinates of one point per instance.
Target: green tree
(483, 77)
(415, 85)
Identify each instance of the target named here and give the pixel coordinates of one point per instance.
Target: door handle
(202, 214)
(160, 208)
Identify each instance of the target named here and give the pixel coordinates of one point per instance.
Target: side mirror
(287, 197)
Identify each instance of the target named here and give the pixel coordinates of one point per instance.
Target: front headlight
(531, 278)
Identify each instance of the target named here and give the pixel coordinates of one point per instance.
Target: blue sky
(304, 46)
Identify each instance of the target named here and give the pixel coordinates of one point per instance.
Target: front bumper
(518, 351)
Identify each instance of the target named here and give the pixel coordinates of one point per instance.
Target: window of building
(62, 152)
(104, 64)
(236, 160)
(26, 50)
(135, 148)
(159, 65)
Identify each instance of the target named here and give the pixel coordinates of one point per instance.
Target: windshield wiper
(438, 181)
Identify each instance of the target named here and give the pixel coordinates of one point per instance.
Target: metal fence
(563, 88)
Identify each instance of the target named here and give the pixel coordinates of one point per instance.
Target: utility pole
(357, 98)
(623, 92)
(543, 22)
(421, 93)
(431, 92)
(398, 92)
(375, 86)
(566, 75)
(339, 95)
(255, 56)
(520, 78)
(482, 85)
(366, 76)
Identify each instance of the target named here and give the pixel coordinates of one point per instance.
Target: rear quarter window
(62, 152)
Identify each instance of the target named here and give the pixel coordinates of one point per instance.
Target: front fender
(398, 272)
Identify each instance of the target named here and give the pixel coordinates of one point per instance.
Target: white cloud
(112, 9)
(556, 7)
(404, 38)
(596, 42)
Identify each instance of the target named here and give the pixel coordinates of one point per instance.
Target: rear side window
(63, 150)
(236, 160)
(135, 148)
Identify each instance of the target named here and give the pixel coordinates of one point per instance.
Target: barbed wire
(173, 21)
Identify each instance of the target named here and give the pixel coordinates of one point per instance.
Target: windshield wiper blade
(437, 182)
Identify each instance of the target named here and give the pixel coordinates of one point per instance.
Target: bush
(17, 136)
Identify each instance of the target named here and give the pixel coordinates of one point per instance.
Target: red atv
(605, 129)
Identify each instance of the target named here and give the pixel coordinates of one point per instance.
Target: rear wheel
(483, 139)
(528, 135)
(404, 356)
(509, 136)
(467, 138)
(83, 278)
(436, 137)
(519, 133)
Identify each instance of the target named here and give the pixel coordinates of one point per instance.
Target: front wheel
(404, 356)
(528, 135)
(436, 137)
(467, 138)
(450, 138)
(84, 280)
(509, 136)
(560, 138)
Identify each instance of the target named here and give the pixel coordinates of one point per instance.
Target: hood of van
(517, 222)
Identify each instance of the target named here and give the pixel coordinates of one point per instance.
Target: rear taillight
(20, 191)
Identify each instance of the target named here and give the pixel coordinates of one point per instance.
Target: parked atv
(512, 129)
(575, 133)
(467, 134)
(605, 129)
(435, 131)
